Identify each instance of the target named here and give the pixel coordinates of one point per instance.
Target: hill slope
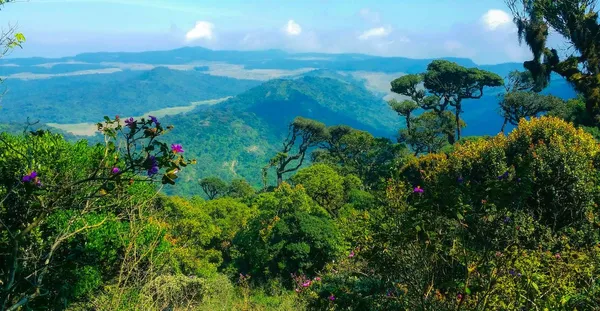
(87, 98)
(240, 135)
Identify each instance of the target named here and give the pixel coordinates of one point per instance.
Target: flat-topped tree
(576, 21)
(405, 109)
(452, 83)
(409, 86)
(515, 106)
(303, 134)
(213, 187)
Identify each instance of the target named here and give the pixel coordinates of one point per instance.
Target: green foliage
(240, 189)
(56, 199)
(213, 187)
(515, 106)
(324, 185)
(292, 234)
(82, 98)
(577, 23)
(302, 134)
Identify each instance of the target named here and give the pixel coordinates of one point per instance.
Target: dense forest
(339, 218)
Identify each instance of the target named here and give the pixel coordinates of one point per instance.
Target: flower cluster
(303, 283)
(418, 190)
(152, 165)
(32, 179)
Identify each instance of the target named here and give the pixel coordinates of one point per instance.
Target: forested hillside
(469, 188)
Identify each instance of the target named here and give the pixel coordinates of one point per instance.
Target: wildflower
(557, 255)
(153, 164)
(459, 296)
(297, 290)
(512, 272)
(29, 178)
(154, 120)
(503, 176)
(460, 180)
(177, 148)
(331, 297)
(317, 279)
(351, 254)
(130, 122)
(418, 189)
(306, 283)
(115, 170)
(498, 254)
(117, 117)
(506, 219)
(519, 274)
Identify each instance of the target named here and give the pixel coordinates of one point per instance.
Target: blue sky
(478, 29)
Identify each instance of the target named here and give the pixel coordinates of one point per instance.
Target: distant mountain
(87, 98)
(267, 59)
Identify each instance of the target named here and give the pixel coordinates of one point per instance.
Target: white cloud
(202, 30)
(375, 32)
(292, 28)
(493, 19)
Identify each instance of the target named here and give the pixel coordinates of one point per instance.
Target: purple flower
(460, 180)
(503, 176)
(130, 122)
(153, 171)
(177, 148)
(459, 296)
(153, 164)
(331, 298)
(115, 170)
(29, 178)
(351, 254)
(506, 219)
(512, 272)
(418, 189)
(154, 120)
(306, 283)
(519, 274)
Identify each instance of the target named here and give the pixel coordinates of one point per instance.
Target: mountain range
(229, 108)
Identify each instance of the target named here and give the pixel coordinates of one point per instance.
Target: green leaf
(468, 291)
(460, 216)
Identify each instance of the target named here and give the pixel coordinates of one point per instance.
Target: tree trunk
(279, 178)
(457, 115)
(408, 122)
(503, 125)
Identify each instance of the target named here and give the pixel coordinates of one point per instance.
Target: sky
(478, 29)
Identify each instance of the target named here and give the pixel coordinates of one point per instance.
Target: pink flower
(306, 283)
(317, 279)
(331, 298)
(557, 255)
(459, 296)
(177, 148)
(351, 254)
(297, 290)
(418, 190)
(115, 170)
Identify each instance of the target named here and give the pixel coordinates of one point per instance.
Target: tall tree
(452, 83)
(409, 86)
(303, 134)
(515, 106)
(577, 22)
(213, 187)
